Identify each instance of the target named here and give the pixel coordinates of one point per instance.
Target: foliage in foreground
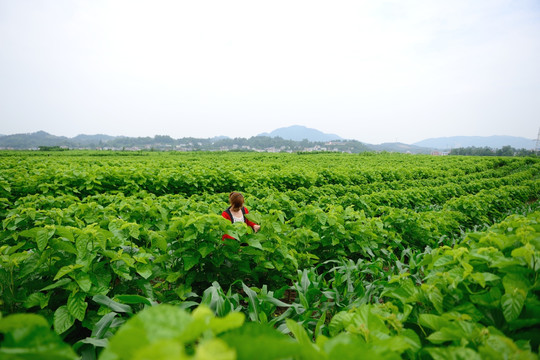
(479, 299)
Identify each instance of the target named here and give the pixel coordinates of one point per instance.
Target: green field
(118, 255)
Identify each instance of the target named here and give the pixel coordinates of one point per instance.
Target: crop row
(188, 176)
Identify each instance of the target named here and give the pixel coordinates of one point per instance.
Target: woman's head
(236, 200)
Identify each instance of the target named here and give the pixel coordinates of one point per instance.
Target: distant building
(439, 153)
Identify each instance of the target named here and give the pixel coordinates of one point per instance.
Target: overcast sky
(375, 71)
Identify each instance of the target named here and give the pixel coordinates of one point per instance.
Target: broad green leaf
(43, 236)
(28, 336)
(446, 334)
(63, 320)
(512, 304)
(454, 353)
(232, 320)
(434, 322)
(412, 339)
(214, 349)
(526, 252)
(83, 280)
(339, 322)
(206, 249)
(253, 242)
(436, 298)
(152, 325)
(190, 260)
(161, 350)
(502, 347)
(145, 270)
(36, 299)
(65, 232)
(158, 241)
(250, 340)
(77, 305)
(16, 321)
(514, 281)
(490, 299)
(443, 261)
(66, 270)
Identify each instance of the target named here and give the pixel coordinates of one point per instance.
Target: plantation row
(188, 174)
(84, 238)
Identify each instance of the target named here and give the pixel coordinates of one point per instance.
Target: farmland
(387, 255)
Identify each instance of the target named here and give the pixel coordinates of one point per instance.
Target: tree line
(487, 151)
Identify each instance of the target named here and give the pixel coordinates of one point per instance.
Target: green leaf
(57, 284)
(434, 322)
(250, 340)
(214, 349)
(512, 304)
(158, 241)
(153, 325)
(231, 321)
(253, 242)
(103, 325)
(83, 279)
(298, 331)
(446, 334)
(111, 304)
(253, 303)
(36, 299)
(63, 320)
(526, 252)
(162, 350)
(66, 270)
(28, 336)
(206, 249)
(514, 281)
(16, 321)
(190, 260)
(434, 295)
(133, 299)
(145, 270)
(339, 322)
(454, 353)
(92, 341)
(77, 305)
(443, 261)
(412, 339)
(320, 324)
(490, 299)
(42, 237)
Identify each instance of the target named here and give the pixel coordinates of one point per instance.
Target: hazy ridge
(292, 138)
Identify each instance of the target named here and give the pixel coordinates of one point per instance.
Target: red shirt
(226, 216)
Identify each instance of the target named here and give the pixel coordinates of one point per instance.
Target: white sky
(375, 71)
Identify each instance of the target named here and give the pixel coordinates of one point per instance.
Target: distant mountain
(33, 140)
(299, 133)
(92, 138)
(495, 142)
(400, 147)
(285, 139)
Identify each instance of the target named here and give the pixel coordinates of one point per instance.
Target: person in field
(237, 213)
